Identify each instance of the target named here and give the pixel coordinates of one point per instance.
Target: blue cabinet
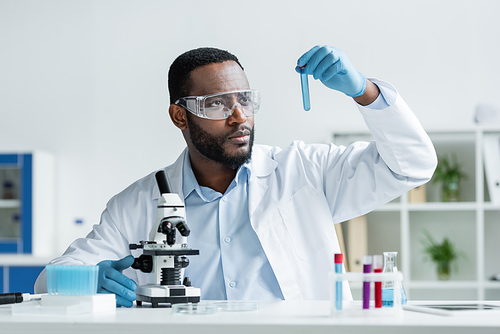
(22, 279)
(16, 209)
(27, 221)
(19, 278)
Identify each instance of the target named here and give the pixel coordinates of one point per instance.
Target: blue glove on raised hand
(111, 280)
(335, 71)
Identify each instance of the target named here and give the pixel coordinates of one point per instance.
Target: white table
(271, 317)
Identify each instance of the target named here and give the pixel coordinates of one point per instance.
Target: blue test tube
(304, 82)
(338, 285)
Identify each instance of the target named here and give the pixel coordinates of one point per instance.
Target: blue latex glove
(335, 71)
(111, 280)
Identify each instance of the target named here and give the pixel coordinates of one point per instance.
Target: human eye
(214, 103)
(244, 99)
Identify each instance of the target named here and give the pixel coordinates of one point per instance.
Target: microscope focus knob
(182, 261)
(187, 281)
(144, 263)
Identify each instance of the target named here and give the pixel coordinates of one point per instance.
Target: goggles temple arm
(191, 104)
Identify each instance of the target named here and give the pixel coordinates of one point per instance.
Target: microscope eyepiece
(163, 182)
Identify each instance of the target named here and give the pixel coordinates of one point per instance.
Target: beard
(212, 146)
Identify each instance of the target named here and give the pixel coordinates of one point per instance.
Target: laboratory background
(83, 96)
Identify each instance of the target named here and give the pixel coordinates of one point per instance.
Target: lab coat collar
(261, 165)
(190, 184)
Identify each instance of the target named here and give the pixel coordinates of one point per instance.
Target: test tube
(304, 82)
(378, 262)
(338, 285)
(367, 268)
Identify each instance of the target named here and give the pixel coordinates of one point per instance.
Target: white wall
(86, 80)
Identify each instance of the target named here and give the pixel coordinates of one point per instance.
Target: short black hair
(180, 70)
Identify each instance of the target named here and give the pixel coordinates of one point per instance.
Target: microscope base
(166, 294)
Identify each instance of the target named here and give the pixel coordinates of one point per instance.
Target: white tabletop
(271, 317)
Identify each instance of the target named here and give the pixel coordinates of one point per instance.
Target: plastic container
(58, 305)
(72, 280)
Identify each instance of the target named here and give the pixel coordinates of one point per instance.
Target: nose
(237, 115)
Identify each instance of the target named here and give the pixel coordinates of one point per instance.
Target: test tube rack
(355, 308)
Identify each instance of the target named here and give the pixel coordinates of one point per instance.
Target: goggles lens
(221, 105)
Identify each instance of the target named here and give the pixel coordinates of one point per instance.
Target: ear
(178, 116)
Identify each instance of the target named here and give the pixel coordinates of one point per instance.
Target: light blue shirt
(232, 264)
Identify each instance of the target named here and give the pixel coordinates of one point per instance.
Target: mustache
(240, 131)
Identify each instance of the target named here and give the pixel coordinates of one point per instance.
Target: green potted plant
(449, 172)
(442, 254)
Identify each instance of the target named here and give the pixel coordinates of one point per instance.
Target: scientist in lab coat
(262, 217)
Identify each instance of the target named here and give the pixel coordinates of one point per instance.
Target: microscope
(162, 256)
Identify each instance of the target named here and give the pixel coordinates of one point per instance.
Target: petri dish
(235, 306)
(194, 308)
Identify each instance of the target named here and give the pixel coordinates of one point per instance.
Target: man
(262, 217)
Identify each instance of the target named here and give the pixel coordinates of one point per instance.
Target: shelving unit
(472, 224)
(27, 203)
(26, 218)
(9, 203)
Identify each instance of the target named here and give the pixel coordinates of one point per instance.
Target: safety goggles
(221, 105)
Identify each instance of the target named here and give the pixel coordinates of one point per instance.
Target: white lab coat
(296, 195)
